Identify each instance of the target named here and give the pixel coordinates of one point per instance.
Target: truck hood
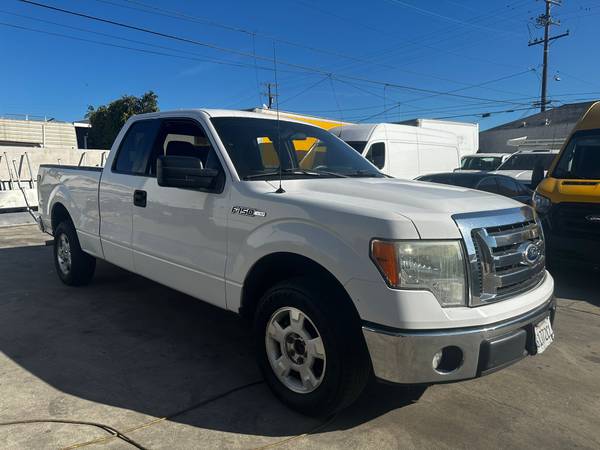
(575, 191)
(429, 206)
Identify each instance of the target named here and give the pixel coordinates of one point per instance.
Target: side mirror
(537, 175)
(184, 172)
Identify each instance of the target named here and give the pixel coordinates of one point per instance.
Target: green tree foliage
(107, 120)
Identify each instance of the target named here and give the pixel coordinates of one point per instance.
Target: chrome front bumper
(406, 356)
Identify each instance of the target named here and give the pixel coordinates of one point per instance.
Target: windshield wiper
(316, 173)
(326, 172)
(365, 174)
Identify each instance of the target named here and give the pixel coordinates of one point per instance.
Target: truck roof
(217, 113)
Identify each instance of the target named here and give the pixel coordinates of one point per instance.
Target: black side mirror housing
(537, 175)
(184, 172)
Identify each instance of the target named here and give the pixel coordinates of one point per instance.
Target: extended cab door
(121, 177)
(179, 234)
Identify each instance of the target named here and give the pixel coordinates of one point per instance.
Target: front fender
(316, 242)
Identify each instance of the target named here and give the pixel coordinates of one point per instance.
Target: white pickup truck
(345, 272)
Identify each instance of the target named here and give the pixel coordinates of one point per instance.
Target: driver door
(180, 234)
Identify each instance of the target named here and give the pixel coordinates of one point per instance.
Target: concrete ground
(15, 218)
(127, 353)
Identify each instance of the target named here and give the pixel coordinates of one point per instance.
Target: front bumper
(405, 356)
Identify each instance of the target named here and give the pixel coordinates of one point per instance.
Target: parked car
(484, 181)
(403, 151)
(344, 272)
(568, 200)
(521, 164)
(483, 161)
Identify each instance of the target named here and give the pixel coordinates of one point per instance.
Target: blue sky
(365, 57)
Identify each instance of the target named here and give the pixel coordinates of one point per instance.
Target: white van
(403, 151)
(467, 133)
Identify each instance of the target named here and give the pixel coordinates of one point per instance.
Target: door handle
(139, 198)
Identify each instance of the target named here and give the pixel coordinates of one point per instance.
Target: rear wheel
(73, 266)
(310, 347)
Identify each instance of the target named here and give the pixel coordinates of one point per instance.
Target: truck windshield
(257, 147)
(480, 162)
(581, 158)
(527, 161)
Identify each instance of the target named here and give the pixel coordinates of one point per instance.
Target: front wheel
(310, 347)
(73, 265)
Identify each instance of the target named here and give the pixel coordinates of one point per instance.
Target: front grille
(506, 253)
(572, 220)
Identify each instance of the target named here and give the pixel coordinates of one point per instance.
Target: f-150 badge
(242, 211)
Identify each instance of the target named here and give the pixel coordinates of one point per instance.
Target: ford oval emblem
(595, 219)
(531, 254)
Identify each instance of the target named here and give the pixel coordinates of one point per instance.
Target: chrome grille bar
(514, 237)
(505, 253)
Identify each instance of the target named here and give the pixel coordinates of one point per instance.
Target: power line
(211, 22)
(483, 114)
(112, 36)
(385, 111)
(429, 13)
(435, 95)
(419, 42)
(196, 19)
(125, 47)
(503, 78)
(464, 107)
(304, 91)
(263, 58)
(160, 53)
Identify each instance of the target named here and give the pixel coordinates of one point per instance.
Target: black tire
(81, 269)
(348, 366)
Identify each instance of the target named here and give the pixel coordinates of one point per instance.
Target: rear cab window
(184, 137)
(136, 148)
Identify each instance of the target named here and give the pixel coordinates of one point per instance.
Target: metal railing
(20, 168)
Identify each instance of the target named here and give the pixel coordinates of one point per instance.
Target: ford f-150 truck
(345, 272)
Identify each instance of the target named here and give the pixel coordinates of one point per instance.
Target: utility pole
(271, 95)
(546, 21)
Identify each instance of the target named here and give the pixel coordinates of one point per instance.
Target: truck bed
(75, 187)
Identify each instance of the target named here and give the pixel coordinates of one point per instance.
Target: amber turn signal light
(384, 256)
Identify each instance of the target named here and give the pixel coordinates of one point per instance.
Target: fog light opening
(447, 359)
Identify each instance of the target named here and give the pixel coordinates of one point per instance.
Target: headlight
(436, 266)
(541, 204)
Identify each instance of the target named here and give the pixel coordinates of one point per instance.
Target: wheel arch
(279, 266)
(58, 214)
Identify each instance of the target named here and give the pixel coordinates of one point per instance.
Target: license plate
(544, 335)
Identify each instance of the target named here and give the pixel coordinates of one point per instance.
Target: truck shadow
(130, 343)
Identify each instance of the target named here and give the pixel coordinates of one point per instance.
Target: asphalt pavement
(169, 371)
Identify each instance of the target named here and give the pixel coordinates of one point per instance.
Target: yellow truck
(568, 199)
